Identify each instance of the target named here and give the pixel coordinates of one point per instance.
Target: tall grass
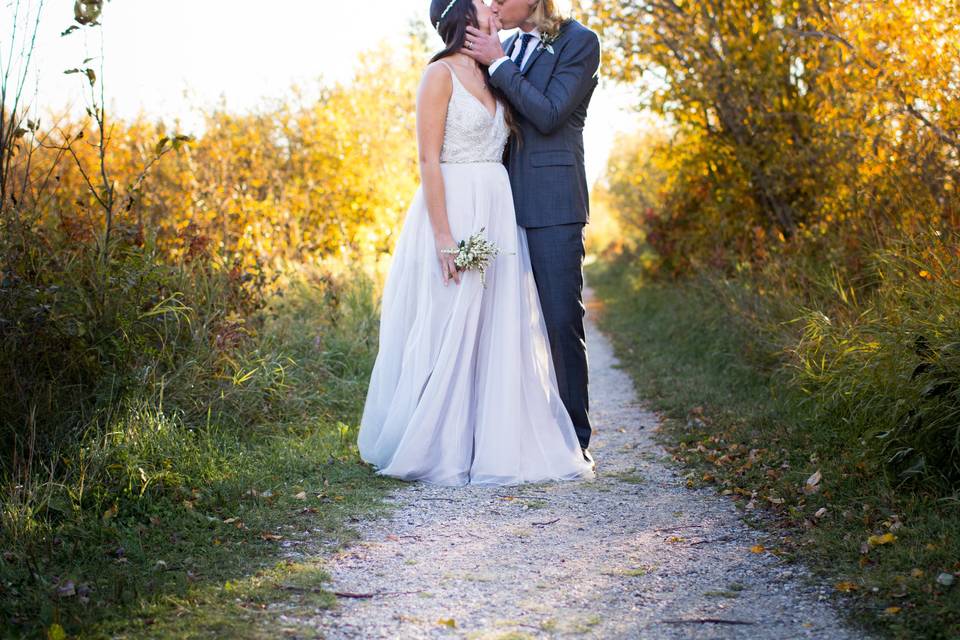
(884, 362)
(174, 460)
(79, 335)
(872, 351)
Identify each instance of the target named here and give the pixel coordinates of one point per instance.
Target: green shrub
(79, 335)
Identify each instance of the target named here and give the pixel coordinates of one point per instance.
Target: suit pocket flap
(551, 158)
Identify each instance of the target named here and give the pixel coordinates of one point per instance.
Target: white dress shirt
(531, 47)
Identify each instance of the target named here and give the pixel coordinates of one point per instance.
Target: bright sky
(172, 58)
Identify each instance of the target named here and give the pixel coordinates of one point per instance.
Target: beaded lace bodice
(472, 134)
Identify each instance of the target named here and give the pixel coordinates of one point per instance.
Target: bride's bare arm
(432, 100)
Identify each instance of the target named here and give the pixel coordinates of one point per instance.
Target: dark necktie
(524, 41)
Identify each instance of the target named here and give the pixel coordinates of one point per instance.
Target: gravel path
(631, 554)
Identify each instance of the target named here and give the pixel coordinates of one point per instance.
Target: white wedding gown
(463, 390)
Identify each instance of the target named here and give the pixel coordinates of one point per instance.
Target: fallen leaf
(822, 511)
(894, 523)
(812, 485)
(301, 496)
(270, 536)
(757, 548)
(845, 586)
(447, 622)
(891, 611)
(876, 541)
(56, 632)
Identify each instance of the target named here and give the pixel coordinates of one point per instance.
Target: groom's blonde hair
(546, 17)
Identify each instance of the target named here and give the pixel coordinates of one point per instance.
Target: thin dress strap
(452, 72)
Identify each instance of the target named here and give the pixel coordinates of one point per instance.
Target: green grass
(171, 529)
(629, 476)
(733, 419)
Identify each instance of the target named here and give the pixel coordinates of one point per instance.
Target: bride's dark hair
(453, 29)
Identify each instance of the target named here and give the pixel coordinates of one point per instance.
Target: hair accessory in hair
(452, 2)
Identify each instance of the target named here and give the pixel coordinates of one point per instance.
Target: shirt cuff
(496, 63)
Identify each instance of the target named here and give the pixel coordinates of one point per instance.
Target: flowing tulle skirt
(463, 389)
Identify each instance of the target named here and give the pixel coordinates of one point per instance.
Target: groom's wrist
(496, 63)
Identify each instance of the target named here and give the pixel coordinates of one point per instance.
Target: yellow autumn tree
(825, 122)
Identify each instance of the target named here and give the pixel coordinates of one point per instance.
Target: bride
(463, 390)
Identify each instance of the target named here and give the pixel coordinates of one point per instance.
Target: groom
(548, 71)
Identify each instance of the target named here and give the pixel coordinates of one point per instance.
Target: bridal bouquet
(475, 253)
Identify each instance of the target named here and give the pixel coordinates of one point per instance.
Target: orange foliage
(301, 182)
(835, 124)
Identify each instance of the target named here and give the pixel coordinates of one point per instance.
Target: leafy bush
(79, 335)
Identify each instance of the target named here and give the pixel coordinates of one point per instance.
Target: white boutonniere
(547, 40)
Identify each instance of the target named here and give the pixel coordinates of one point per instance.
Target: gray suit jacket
(550, 99)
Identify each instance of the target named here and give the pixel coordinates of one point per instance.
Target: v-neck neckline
(456, 77)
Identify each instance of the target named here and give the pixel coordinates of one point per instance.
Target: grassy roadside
(732, 422)
(193, 530)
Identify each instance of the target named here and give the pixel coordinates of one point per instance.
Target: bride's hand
(448, 265)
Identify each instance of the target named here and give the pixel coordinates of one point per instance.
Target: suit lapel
(508, 44)
(533, 58)
(539, 50)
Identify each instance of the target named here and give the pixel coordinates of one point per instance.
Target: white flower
(475, 253)
(547, 40)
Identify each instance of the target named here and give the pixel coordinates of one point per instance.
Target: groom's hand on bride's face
(484, 47)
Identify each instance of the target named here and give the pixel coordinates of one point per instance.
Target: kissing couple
(481, 373)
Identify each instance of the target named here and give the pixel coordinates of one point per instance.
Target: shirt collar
(535, 33)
